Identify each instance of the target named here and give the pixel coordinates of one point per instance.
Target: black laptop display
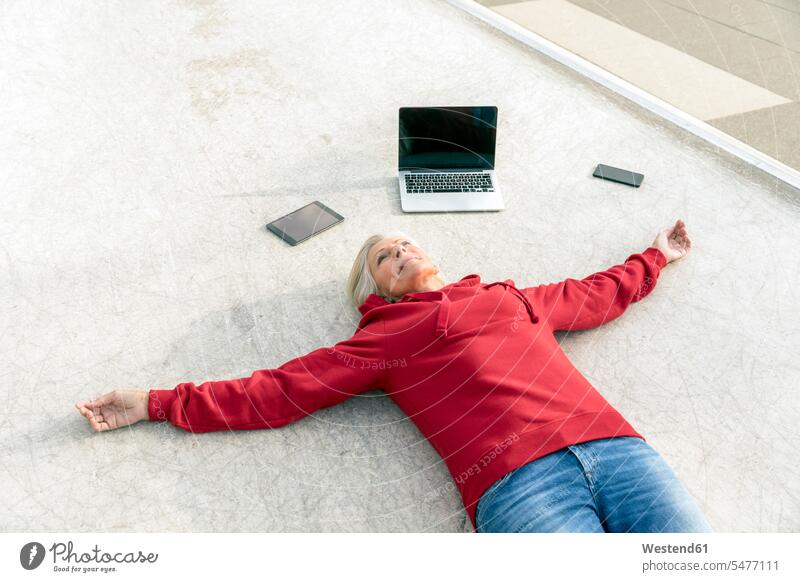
(435, 138)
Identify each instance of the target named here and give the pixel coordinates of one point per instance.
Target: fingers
(99, 425)
(103, 400)
(106, 399)
(679, 229)
(97, 421)
(674, 238)
(679, 234)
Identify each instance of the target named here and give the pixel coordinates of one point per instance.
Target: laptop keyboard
(449, 182)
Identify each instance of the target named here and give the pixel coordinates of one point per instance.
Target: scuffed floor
(146, 145)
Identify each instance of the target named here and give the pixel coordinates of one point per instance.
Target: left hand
(673, 241)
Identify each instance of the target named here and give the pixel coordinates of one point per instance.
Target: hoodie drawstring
(521, 294)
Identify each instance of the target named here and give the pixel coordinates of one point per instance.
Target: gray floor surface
(144, 149)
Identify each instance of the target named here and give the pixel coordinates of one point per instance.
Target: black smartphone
(618, 175)
(305, 222)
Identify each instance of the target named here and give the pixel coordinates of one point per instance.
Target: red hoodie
(474, 365)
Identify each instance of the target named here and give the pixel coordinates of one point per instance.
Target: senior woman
(531, 445)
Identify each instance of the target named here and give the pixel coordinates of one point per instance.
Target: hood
(372, 301)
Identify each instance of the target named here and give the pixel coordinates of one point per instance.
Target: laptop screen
(437, 138)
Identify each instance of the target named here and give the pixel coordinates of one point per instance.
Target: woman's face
(399, 267)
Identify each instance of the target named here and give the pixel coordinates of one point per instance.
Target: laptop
(446, 159)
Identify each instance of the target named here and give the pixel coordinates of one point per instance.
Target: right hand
(115, 409)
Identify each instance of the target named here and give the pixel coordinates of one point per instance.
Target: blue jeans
(612, 485)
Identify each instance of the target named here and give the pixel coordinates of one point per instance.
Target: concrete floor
(146, 146)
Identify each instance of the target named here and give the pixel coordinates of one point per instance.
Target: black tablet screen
(305, 222)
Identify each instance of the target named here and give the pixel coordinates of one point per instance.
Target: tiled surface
(765, 63)
(774, 131)
(735, 13)
(753, 40)
(133, 254)
(690, 84)
(778, 22)
(793, 5)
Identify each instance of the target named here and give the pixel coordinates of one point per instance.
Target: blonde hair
(360, 283)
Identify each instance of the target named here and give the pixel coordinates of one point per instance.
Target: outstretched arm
(576, 304)
(268, 398)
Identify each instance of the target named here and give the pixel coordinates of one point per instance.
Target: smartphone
(305, 222)
(618, 175)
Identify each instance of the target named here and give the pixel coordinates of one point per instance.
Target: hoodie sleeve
(601, 297)
(272, 398)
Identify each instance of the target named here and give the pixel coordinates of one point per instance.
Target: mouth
(405, 263)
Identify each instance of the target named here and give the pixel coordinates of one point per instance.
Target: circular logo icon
(31, 555)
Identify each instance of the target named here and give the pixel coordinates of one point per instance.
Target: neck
(429, 283)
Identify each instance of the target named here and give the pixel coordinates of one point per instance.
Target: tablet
(304, 222)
